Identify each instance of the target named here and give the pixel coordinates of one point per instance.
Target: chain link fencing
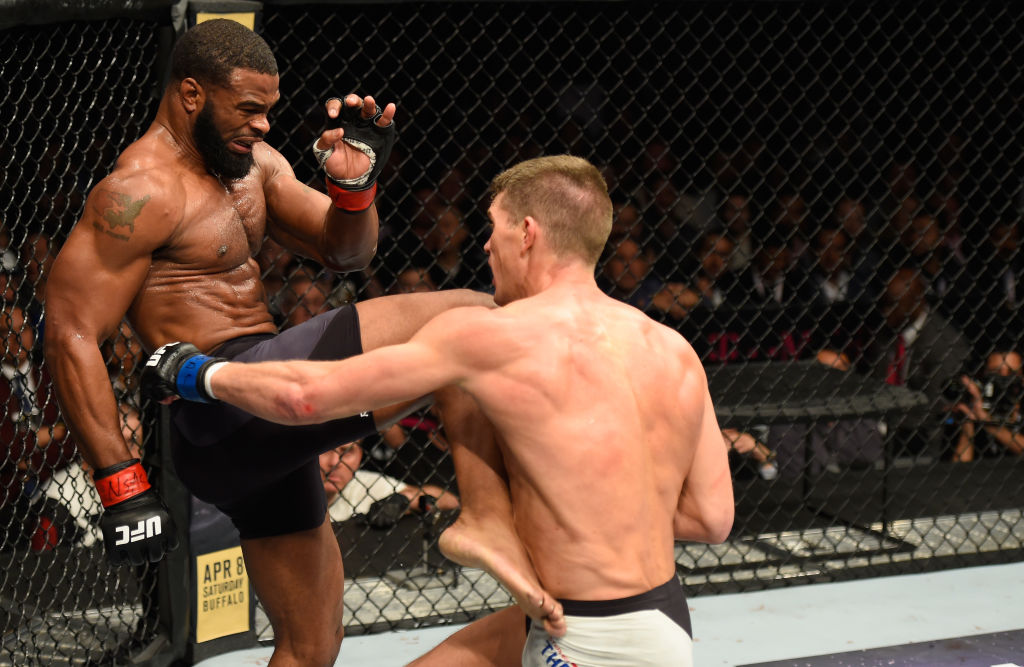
(824, 199)
(75, 94)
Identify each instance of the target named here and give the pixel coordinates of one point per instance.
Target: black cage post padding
(788, 392)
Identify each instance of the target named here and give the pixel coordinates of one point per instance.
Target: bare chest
(224, 226)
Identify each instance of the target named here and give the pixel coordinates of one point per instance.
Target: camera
(1000, 394)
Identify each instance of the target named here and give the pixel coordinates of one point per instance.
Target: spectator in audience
(923, 243)
(729, 322)
(849, 215)
(901, 183)
(672, 303)
(658, 159)
(902, 215)
(306, 294)
(123, 355)
(992, 421)
(8, 256)
(626, 276)
(768, 280)
(792, 221)
(830, 271)
(274, 260)
(676, 220)
(919, 348)
(438, 239)
(35, 441)
(626, 222)
(835, 289)
(714, 282)
(453, 190)
(382, 499)
(10, 280)
(783, 295)
(36, 259)
(626, 273)
(863, 254)
(455, 259)
(747, 443)
(991, 306)
(737, 218)
(413, 279)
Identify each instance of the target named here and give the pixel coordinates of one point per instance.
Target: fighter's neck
(171, 126)
(563, 276)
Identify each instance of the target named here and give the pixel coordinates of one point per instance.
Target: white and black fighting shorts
(651, 629)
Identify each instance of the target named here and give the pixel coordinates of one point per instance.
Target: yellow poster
(222, 598)
(248, 19)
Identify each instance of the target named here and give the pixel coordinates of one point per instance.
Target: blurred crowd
(897, 279)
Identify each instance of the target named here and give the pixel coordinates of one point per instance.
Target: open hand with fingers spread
(354, 148)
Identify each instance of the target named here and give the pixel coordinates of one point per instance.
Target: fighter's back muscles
(704, 510)
(128, 215)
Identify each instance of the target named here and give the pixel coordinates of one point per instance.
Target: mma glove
(356, 194)
(179, 369)
(136, 525)
(388, 511)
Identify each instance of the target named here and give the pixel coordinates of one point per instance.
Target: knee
(322, 651)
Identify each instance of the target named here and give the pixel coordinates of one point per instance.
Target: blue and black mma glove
(136, 524)
(179, 369)
(354, 195)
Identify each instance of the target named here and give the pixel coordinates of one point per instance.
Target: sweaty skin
(604, 419)
(171, 245)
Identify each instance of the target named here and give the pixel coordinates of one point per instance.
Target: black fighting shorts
(266, 476)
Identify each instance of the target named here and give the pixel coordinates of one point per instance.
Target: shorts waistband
(235, 346)
(656, 598)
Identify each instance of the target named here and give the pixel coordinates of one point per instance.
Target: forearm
(295, 392)
(964, 450)
(705, 508)
(87, 400)
(273, 390)
(689, 528)
(696, 523)
(349, 240)
(1007, 438)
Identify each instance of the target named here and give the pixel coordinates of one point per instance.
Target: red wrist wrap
(122, 485)
(350, 201)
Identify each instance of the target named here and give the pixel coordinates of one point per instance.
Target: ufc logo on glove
(143, 530)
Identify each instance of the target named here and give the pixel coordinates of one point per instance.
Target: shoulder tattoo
(119, 211)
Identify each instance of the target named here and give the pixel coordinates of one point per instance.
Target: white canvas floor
(780, 624)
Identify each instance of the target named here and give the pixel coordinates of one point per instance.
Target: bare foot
(500, 553)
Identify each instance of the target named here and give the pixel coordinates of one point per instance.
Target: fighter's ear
(530, 231)
(191, 94)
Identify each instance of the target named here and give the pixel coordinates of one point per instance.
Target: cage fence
(823, 198)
